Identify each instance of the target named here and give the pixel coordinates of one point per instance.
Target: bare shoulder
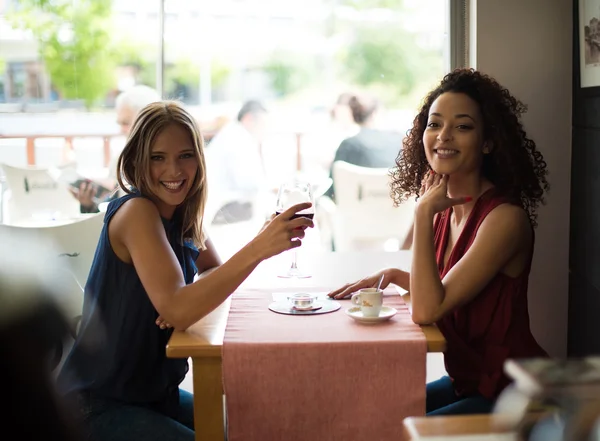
(508, 220)
(135, 221)
(509, 215)
(137, 210)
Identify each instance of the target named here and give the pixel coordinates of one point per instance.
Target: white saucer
(386, 313)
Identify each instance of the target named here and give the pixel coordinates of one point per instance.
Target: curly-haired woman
(480, 180)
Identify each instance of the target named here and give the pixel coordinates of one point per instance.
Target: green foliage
(75, 43)
(137, 55)
(219, 73)
(388, 59)
(185, 74)
(181, 78)
(287, 73)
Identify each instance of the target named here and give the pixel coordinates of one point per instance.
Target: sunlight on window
(63, 63)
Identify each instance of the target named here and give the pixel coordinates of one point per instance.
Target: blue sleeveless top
(119, 352)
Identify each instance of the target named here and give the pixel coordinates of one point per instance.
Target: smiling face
(453, 137)
(173, 168)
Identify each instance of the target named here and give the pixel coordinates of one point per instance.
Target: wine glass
(292, 193)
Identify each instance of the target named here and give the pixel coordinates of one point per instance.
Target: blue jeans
(442, 400)
(109, 420)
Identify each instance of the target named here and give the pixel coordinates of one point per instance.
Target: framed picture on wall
(589, 42)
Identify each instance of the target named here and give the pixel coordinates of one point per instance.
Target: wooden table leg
(208, 399)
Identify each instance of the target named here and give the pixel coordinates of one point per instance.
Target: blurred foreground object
(565, 393)
(32, 327)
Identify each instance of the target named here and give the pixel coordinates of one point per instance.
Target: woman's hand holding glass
(292, 193)
(283, 232)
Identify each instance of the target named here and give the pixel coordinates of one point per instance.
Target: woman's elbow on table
(424, 317)
(178, 313)
(422, 320)
(180, 322)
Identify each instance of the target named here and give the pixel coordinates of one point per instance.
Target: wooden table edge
(183, 344)
(453, 425)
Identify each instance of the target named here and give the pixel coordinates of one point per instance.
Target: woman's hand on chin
(433, 196)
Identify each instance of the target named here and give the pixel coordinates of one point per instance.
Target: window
(214, 56)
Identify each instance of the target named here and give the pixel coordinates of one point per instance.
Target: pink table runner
(320, 377)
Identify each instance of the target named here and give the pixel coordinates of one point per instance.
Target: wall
(584, 302)
(527, 46)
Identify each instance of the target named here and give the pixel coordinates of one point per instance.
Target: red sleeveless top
(494, 326)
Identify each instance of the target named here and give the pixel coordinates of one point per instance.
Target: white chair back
(72, 244)
(365, 213)
(36, 191)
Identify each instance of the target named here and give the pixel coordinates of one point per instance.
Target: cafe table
(457, 426)
(488, 427)
(203, 341)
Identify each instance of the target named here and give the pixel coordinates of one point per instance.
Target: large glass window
(62, 63)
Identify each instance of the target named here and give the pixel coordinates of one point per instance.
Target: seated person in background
(341, 114)
(234, 153)
(343, 125)
(142, 282)
(127, 105)
(370, 147)
(479, 179)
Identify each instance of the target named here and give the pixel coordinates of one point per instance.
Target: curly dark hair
(515, 166)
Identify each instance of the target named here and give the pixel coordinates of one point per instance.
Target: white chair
(363, 215)
(37, 191)
(68, 247)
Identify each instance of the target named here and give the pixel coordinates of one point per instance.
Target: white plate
(386, 313)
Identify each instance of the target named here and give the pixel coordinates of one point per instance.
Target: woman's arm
(136, 229)
(208, 259)
(504, 236)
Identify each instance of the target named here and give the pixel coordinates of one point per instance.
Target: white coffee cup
(369, 300)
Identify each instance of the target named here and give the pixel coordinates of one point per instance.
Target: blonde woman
(151, 247)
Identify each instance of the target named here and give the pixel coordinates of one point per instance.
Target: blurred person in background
(235, 160)
(371, 146)
(127, 106)
(320, 143)
(341, 116)
(143, 283)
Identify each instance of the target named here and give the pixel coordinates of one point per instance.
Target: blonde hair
(134, 162)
